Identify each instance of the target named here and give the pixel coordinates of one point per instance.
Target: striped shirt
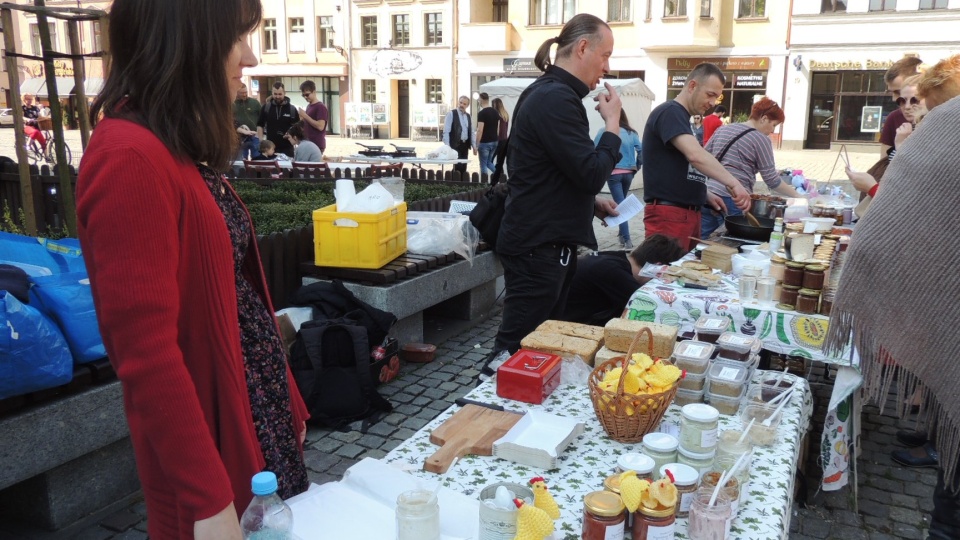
(751, 154)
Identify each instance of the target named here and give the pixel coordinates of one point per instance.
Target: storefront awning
(38, 86)
(92, 86)
(297, 70)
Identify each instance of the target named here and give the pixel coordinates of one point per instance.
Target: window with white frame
(95, 25)
(618, 10)
(401, 30)
(433, 28)
(675, 8)
(753, 9)
(933, 4)
(882, 5)
(368, 29)
(706, 9)
(434, 88)
(368, 91)
(297, 35)
(324, 32)
(269, 35)
(35, 37)
(551, 11)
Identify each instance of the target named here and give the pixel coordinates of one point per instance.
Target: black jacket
(276, 120)
(555, 169)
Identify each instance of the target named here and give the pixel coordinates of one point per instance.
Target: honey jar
(813, 276)
(807, 301)
(788, 295)
(793, 274)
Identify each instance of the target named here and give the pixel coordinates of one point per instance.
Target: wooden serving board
(471, 430)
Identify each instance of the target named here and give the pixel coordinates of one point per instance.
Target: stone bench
(456, 290)
(62, 459)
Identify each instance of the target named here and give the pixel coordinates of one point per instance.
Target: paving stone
(350, 450)
(874, 535)
(401, 398)
(906, 516)
(848, 518)
(406, 410)
(421, 401)
(450, 387)
(880, 524)
(374, 453)
(346, 436)
(382, 429)
(140, 508)
(94, 533)
(132, 534)
(390, 445)
(464, 380)
(370, 440)
(917, 489)
(905, 501)
(394, 418)
(436, 379)
(328, 445)
(414, 389)
(909, 532)
(873, 494)
(891, 486)
(340, 468)
(925, 505)
(320, 478)
(929, 479)
(415, 423)
(120, 521)
(404, 433)
(814, 528)
(434, 393)
(844, 532)
(319, 461)
(873, 508)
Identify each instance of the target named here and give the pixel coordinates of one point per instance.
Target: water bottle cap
(264, 483)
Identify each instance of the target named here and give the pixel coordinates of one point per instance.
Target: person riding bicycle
(31, 126)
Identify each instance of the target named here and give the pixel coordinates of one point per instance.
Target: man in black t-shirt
(276, 118)
(604, 283)
(488, 132)
(676, 166)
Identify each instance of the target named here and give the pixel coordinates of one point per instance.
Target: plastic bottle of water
(267, 517)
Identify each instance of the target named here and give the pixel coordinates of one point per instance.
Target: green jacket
(246, 113)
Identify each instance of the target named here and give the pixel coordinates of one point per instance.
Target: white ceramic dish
(817, 224)
(538, 439)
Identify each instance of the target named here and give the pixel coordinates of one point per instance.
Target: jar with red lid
(654, 524)
(793, 274)
(807, 301)
(813, 276)
(788, 295)
(604, 516)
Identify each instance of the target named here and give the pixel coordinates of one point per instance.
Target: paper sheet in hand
(630, 207)
(362, 505)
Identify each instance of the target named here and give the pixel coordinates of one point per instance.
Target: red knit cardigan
(161, 270)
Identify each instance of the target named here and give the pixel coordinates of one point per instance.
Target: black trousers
(501, 157)
(536, 285)
(463, 152)
(945, 518)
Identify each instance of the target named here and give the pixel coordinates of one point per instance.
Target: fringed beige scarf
(899, 295)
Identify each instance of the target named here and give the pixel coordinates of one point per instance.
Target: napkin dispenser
(528, 376)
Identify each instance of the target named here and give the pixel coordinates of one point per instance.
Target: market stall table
(784, 332)
(415, 161)
(590, 458)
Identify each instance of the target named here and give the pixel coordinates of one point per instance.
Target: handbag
(487, 215)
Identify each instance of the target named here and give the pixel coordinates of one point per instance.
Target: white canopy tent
(637, 99)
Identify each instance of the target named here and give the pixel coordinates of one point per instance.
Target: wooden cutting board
(471, 430)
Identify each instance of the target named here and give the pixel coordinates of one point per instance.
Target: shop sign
(61, 68)
(733, 63)
(519, 65)
(856, 65)
(678, 80)
(749, 80)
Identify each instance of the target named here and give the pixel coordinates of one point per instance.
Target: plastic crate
(354, 240)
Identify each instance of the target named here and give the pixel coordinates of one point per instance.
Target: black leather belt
(661, 202)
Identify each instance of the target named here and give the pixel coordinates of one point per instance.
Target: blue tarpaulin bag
(68, 300)
(33, 353)
(57, 256)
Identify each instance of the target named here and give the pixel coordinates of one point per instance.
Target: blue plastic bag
(33, 354)
(68, 300)
(55, 256)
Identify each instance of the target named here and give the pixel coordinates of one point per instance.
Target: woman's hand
(904, 131)
(303, 434)
(221, 526)
(862, 181)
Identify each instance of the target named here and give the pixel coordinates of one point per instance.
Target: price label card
(728, 374)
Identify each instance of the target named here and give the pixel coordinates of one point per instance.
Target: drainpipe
(786, 70)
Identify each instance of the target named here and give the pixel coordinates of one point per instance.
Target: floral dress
(264, 357)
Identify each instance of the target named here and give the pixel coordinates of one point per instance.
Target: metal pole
(73, 30)
(63, 171)
(26, 181)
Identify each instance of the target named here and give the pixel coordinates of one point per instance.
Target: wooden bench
(409, 285)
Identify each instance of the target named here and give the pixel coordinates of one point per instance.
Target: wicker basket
(646, 410)
(45, 123)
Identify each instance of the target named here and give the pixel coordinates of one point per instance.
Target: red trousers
(672, 221)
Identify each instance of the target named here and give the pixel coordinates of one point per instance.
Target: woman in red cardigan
(179, 290)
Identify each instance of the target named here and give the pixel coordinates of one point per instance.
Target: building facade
(839, 52)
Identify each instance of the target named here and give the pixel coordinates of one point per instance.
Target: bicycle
(36, 152)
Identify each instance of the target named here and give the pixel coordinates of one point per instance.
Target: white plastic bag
(443, 152)
(372, 200)
(439, 233)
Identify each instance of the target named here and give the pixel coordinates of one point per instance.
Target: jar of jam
(813, 276)
(654, 524)
(831, 212)
(793, 274)
(826, 306)
(807, 301)
(612, 484)
(685, 478)
(777, 267)
(604, 516)
(788, 295)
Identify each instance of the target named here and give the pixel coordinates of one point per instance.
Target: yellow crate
(353, 240)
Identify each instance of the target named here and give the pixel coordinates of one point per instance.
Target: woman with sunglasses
(697, 121)
(745, 150)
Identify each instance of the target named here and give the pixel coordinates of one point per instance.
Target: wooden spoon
(753, 221)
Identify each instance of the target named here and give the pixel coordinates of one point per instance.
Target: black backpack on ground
(330, 361)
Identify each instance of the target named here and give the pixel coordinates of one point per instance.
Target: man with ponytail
(555, 174)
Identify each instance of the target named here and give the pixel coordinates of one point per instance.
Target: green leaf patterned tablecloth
(589, 459)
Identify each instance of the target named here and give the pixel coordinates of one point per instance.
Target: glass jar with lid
(641, 464)
(654, 524)
(685, 478)
(813, 276)
(662, 448)
(788, 295)
(418, 515)
(701, 461)
(730, 446)
(708, 522)
(793, 274)
(807, 301)
(698, 427)
(778, 266)
(604, 516)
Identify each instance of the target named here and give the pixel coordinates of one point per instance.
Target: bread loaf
(605, 354)
(585, 331)
(559, 344)
(619, 333)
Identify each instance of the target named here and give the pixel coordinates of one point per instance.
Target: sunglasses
(306, 94)
(903, 101)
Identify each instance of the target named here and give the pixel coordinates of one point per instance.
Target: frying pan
(739, 227)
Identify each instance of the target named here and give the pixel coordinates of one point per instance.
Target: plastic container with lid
(727, 378)
(729, 445)
(698, 427)
(734, 346)
(728, 405)
(694, 382)
(709, 327)
(662, 447)
(693, 356)
(686, 479)
(641, 464)
(760, 434)
(701, 461)
(807, 301)
(654, 524)
(686, 397)
(769, 389)
(604, 516)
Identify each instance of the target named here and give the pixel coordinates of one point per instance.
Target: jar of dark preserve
(788, 295)
(826, 306)
(807, 300)
(813, 276)
(793, 274)
(604, 516)
(654, 524)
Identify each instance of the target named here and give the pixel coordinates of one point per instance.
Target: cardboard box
(528, 376)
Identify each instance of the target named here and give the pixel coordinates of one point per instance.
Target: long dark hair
(580, 26)
(624, 123)
(167, 72)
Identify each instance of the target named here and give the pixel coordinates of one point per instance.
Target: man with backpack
(276, 117)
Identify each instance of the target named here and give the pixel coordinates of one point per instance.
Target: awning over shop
(38, 86)
(297, 70)
(92, 86)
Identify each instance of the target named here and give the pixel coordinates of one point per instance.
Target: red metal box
(528, 376)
